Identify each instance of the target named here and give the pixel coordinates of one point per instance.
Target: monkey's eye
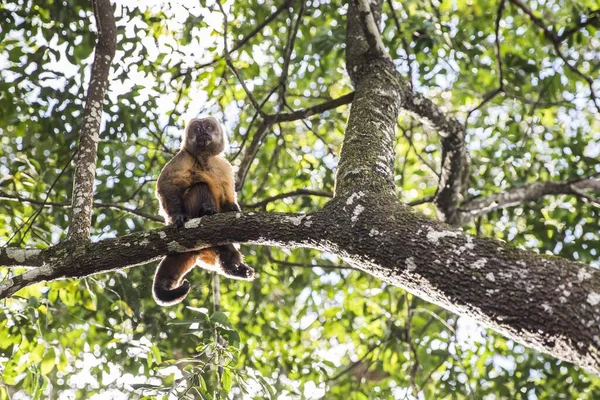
(208, 126)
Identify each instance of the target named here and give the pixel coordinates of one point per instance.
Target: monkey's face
(204, 136)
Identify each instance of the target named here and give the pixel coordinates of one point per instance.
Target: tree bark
(85, 169)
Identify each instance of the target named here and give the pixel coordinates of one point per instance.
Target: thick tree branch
(547, 303)
(76, 260)
(388, 91)
(85, 170)
(18, 257)
(531, 192)
(367, 159)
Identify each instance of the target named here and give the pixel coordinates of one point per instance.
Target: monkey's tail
(169, 286)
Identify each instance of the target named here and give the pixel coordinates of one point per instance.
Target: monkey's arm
(228, 202)
(170, 188)
(170, 197)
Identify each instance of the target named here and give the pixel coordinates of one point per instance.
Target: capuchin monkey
(198, 181)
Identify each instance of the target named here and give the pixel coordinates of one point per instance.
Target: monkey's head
(204, 136)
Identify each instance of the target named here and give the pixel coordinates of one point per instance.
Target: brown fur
(198, 181)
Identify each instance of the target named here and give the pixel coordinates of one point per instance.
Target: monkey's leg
(226, 259)
(231, 263)
(229, 207)
(199, 201)
(169, 285)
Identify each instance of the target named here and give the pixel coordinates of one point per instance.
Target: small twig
(232, 67)
(254, 118)
(405, 44)
(37, 212)
(288, 53)
(295, 193)
(585, 21)
(424, 200)
(493, 93)
(556, 41)
(242, 42)
(218, 339)
(350, 367)
(269, 120)
(314, 110)
(45, 203)
(417, 153)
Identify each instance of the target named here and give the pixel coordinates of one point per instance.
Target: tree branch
(295, 193)
(585, 20)
(314, 110)
(370, 29)
(80, 259)
(230, 63)
(10, 197)
(272, 119)
(367, 157)
(531, 192)
(243, 41)
(493, 93)
(85, 170)
(453, 153)
(360, 61)
(15, 256)
(556, 42)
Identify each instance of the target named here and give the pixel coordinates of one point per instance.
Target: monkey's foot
(229, 207)
(238, 271)
(180, 219)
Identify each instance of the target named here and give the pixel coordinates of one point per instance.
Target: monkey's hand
(179, 220)
(207, 208)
